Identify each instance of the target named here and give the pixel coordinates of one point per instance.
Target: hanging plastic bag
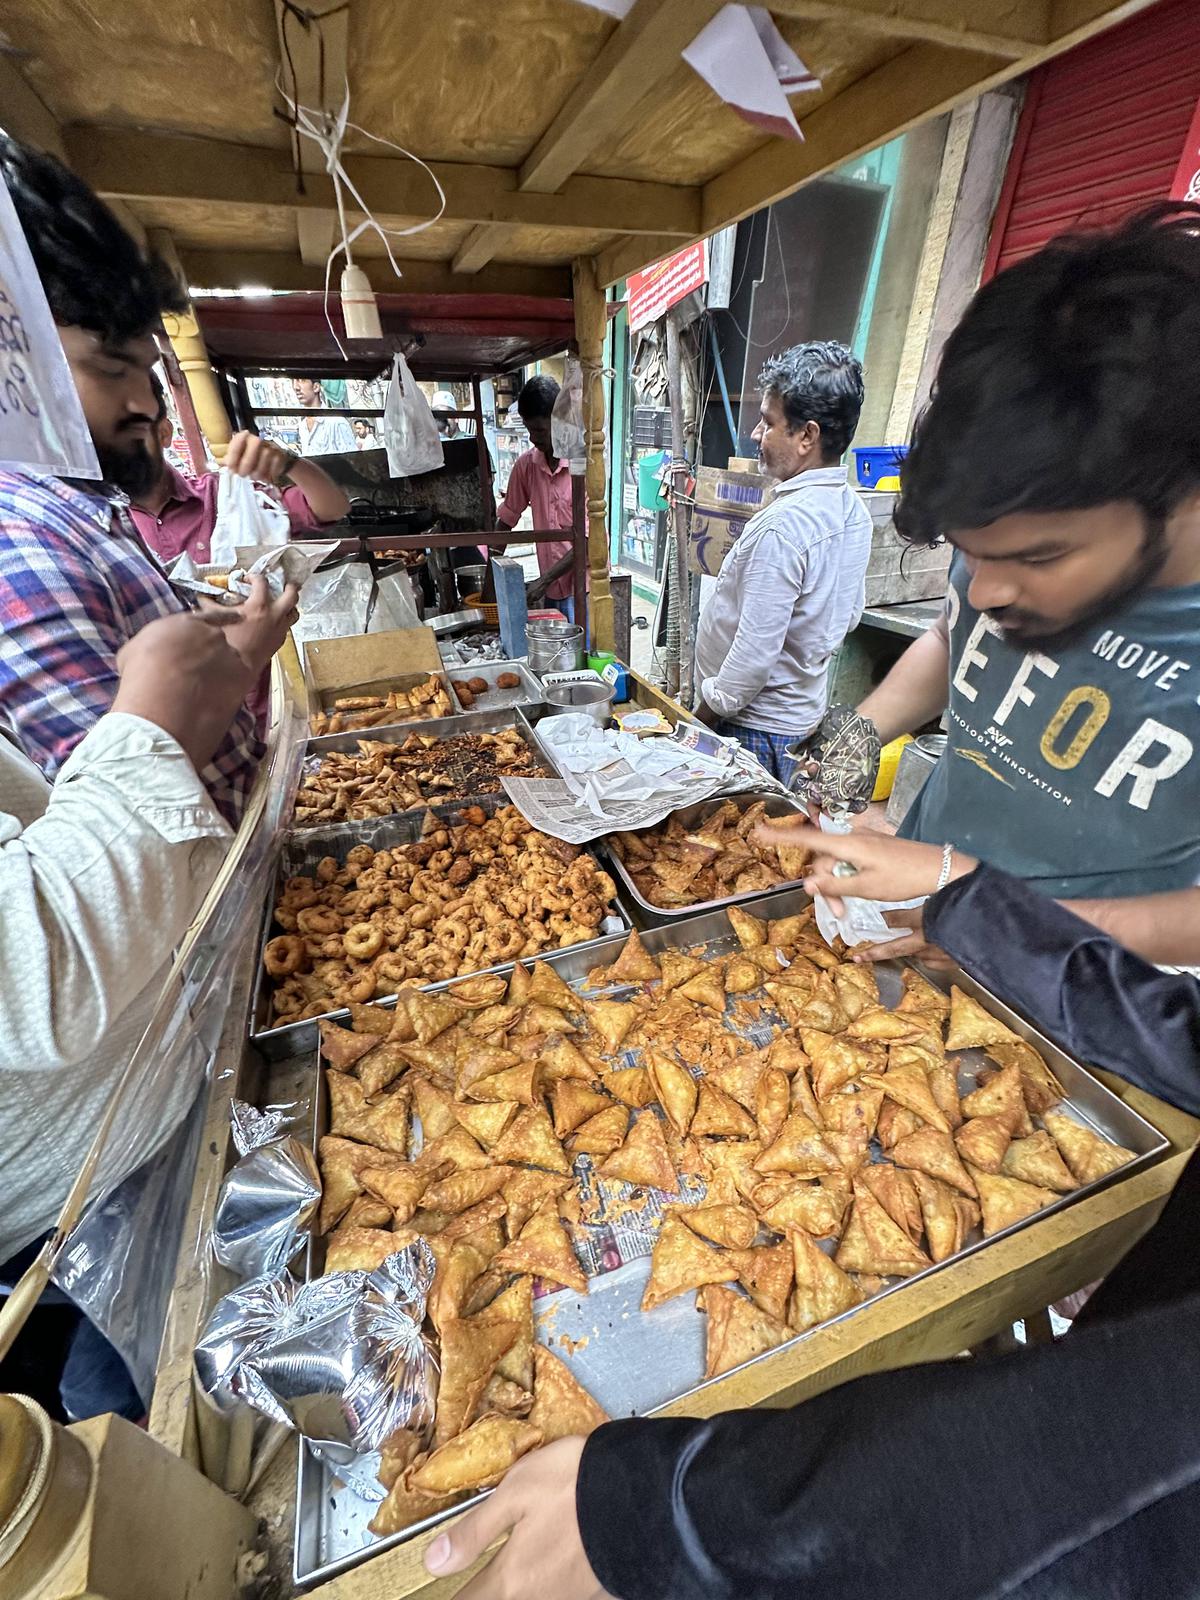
(246, 516)
(410, 431)
(566, 420)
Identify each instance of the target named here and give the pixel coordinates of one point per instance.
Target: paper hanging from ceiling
(744, 58)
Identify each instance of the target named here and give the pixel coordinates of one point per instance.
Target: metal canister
(45, 1476)
(917, 761)
(554, 646)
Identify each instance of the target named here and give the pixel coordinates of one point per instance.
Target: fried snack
(400, 1188)
(799, 1149)
(602, 1134)
(932, 1152)
(462, 1190)
(737, 1330)
(1001, 1096)
(733, 1227)
(544, 1248)
(1036, 1160)
(815, 1208)
(513, 1306)
(720, 858)
(530, 1141)
(897, 1194)
(971, 1025)
(342, 1163)
(1086, 1153)
(909, 1087)
(948, 1216)
(719, 1115)
(982, 1142)
(476, 1459)
(920, 996)
(766, 1275)
(631, 1086)
(675, 1089)
(643, 1159)
(562, 1059)
(468, 894)
(525, 1192)
(426, 700)
(873, 1243)
(486, 1121)
(675, 968)
(363, 1249)
(1039, 1085)
(772, 1103)
(470, 1351)
(682, 1261)
(706, 989)
(888, 1026)
(341, 1048)
(635, 964)
(1004, 1201)
(852, 1108)
(822, 1289)
(405, 1505)
(561, 1406)
(739, 1078)
(572, 1102)
(943, 1085)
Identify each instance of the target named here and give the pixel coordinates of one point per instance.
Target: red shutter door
(1101, 132)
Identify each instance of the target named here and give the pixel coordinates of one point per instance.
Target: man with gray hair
(793, 585)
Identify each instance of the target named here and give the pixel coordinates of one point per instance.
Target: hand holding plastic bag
(247, 515)
(410, 431)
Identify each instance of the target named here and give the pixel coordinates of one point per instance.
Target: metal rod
(485, 460)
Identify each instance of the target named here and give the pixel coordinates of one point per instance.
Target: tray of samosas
(348, 778)
(704, 856)
(416, 699)
(720, 1116)
(365, 908)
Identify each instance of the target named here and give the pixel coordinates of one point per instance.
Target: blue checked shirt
(76, 583)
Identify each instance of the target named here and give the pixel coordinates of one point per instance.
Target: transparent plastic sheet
(410, 430)
(566, 419)
(119, 1262)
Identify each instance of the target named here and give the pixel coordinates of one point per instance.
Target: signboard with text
(42, 426)
(1187, 174)
(653, 292)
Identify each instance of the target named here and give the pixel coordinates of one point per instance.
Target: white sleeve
(98, 890)
(773, 581)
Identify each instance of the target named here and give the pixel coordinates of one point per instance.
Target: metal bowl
(595, 699)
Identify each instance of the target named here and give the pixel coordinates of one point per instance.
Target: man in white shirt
(320, 435)
(793, 585)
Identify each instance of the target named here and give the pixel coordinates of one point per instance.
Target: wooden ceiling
(555, 131)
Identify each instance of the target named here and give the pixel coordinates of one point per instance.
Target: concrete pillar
(590, 325)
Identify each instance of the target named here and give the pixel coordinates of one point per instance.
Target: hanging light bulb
(360, 311)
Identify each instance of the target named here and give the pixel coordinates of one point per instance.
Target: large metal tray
(300, 853)
(648, 915)
(528, 692)
(403, 681)
(634, 1363)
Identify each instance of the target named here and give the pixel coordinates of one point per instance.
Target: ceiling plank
(231, 269)
(308, 50)
(24, 115)
(480, 245)
(638, 54)
(135, 164)
(1025, 27)
(630, 254)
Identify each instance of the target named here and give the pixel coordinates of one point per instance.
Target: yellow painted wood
(590, 325)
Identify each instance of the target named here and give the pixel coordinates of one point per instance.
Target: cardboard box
(725, 502)
(897, 571)
(369, 663)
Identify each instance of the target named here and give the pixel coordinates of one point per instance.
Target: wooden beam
(160, 166)
(230, 269)
(23, 113)
(1024, 28)
(480, 245)
(639, 53)
(308, 50)
(630, 254)
(1072, 21)
(920, 82)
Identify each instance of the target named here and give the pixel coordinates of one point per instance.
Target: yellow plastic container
(889, 760)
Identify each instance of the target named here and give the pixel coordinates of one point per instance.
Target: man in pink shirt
(176, 513)
(540, 482)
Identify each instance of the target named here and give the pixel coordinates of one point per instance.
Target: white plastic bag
(862, 921)
(410, 431)
(246, 516)
(566, 420)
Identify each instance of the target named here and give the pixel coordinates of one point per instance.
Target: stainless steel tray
(528, 692)
(300, 853)
(634, 1363)
(648, 915)
(402, 680)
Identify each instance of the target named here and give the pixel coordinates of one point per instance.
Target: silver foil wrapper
(267, 1199)
(342, 1359)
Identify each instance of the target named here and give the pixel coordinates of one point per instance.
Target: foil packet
(341, 1360)
(268, 1197)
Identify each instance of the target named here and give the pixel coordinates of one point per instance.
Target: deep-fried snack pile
(468, 690)
(672, 867)
(354, 711)
(837, 1156)
(466, 896)
(385, 778)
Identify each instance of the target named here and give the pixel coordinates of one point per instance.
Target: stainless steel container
(554, 646)
(470, 579)
(593, 699)
(917, 761)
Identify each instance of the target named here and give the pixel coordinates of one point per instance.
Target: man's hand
(262, 623)
(543, 1555)
(704, 713)
(250, 456)
(181, 674)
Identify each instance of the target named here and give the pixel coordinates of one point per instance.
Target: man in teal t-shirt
(1060, 455)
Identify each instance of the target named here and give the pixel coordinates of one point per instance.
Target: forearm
(917, 688)
(99, 889)
(1099, 1000)
(1162, 928)
(810, 1502)
(327, 502)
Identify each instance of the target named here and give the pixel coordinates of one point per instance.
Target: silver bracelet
(947, 867)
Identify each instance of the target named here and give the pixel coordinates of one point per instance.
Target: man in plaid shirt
(76, 581)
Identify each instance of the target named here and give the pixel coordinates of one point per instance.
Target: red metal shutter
(1101, 131)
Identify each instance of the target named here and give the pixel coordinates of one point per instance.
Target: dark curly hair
(1071, 381)
(537, 397)
(820, 382)
(94, 275)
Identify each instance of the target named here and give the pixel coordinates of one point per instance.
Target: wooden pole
(579, 552)
(591, 322)
(192, 354)
(487, 498)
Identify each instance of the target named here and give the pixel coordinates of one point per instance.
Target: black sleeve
(957, 1480)
(1097, 1000)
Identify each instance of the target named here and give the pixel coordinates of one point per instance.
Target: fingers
(889, 951)
(461, 1546)
(235, 453)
